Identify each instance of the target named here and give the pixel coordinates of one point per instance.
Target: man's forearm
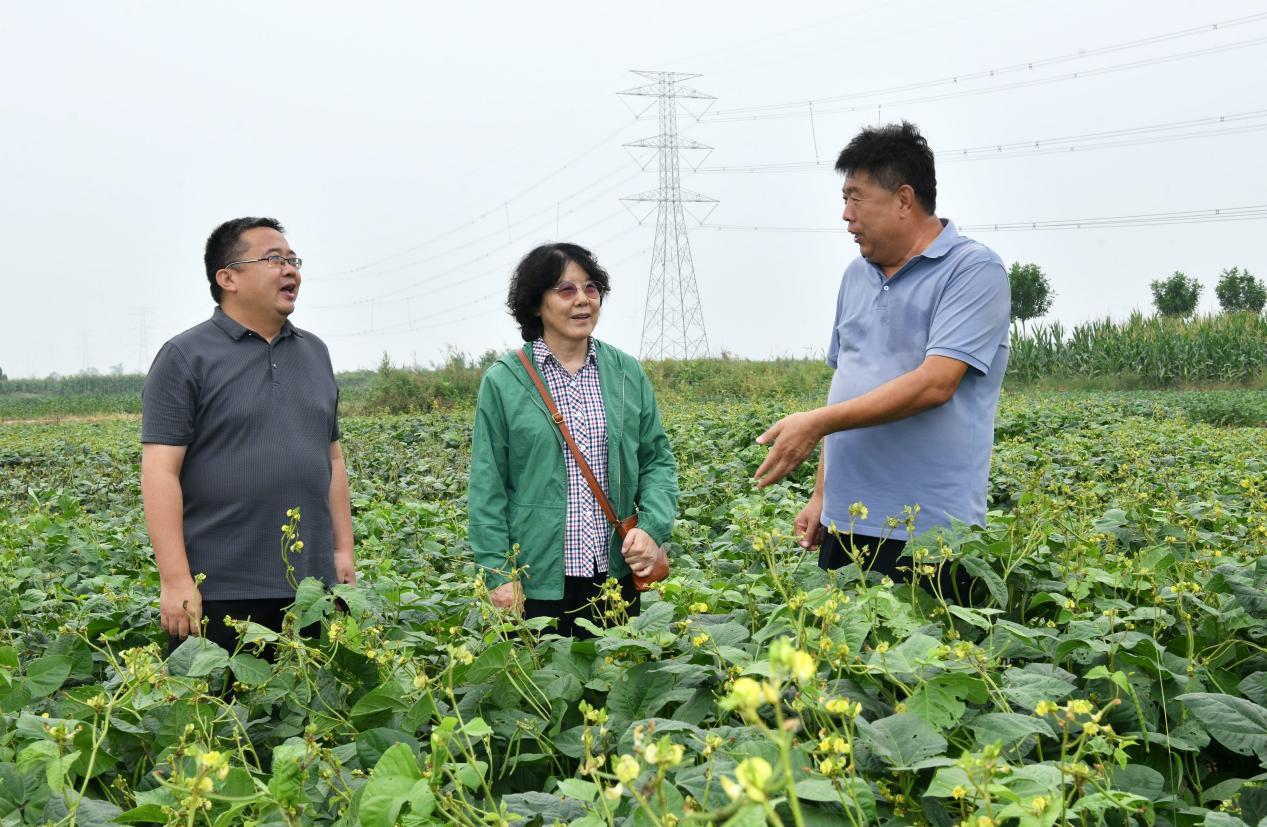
(340, 505)
(165, 520)
(904, 396)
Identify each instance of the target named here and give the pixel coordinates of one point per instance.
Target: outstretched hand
(794, 437)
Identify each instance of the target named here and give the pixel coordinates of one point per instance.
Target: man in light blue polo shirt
(919, 347)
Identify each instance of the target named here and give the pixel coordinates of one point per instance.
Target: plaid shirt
(580, 400)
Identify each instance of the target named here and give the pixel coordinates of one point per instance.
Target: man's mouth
(290, 291)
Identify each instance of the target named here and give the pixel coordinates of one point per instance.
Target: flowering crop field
(1109, 667)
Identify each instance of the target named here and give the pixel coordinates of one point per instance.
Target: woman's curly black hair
(540, 270)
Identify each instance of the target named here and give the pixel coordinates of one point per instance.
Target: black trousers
(267, 612)
(883, 556)
(580, 600)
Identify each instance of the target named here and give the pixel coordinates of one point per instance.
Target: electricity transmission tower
(673, 322)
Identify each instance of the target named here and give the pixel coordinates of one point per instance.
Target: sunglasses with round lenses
(567, 290)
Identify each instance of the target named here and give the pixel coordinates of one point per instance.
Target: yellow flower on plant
(627, 769)
(826, 766)
(958, 793)
(753, 774)
(745, 695)
(1038, 805)
(614, 793)
(1078, 706)
(1046, 708)
(802, 667)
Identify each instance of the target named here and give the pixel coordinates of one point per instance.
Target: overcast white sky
(407, 136)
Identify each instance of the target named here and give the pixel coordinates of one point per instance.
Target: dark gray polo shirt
(258, 419)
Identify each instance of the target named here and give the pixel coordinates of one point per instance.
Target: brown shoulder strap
(599, 495)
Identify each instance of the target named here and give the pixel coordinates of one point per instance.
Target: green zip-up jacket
(517, 495)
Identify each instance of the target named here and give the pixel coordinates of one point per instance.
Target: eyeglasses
(566, 290)
(293, 261)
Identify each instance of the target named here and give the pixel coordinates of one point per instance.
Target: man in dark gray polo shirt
(239, 425)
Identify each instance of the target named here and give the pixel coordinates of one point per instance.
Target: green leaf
(903, 740)
(477, 728)
(388, 697)
(373, 743)
(1026, 687)
(45, 675)
(250, 670)
(207, 659)
(751, 815)
(981, 570)
(636, 690)
(398, 762)
(471, 774)
(144, 814)
(940, 701)
(312, 602)
(492, 661)
(585, 791)
(1008, 728)
(549, 808)
(1237, 723)
(382, 800)
(945, 780)
(655, 618)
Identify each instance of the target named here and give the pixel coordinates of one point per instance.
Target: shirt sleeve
(335, 432)
(169, 399)
(487, 495)
(833, 345)
(971, 318)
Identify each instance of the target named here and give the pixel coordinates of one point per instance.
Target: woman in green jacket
(535, 526)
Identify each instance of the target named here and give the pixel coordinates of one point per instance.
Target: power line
(395, 295)
(1133, 136)
(413, 325)
(1255, 212)
(963, 93)
(366, 271)
(500, 207)
(1000, 71)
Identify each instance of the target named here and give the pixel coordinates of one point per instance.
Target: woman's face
(572, 318)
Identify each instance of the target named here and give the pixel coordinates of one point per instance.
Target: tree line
(1238, 291)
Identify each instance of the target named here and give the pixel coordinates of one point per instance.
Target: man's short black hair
(540, 270)
(225, 244)
(893, 155)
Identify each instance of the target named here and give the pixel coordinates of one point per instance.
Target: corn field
(1146, 350)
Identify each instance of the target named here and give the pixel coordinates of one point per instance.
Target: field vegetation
(1141, 352)
(1107, 669)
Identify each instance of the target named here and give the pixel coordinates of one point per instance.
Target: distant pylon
(673, 322)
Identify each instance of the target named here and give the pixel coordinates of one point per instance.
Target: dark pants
(267, 612)
(884, 558)
(580, 600)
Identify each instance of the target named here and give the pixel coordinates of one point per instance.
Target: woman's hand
(639, 551)
(508, 596)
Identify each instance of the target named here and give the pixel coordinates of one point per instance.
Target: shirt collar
(945, 240)
(236, 331)
(541, 352)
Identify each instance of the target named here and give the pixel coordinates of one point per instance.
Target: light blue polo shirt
(951, 300)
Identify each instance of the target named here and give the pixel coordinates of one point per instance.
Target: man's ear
(226, 278)
(906, 199)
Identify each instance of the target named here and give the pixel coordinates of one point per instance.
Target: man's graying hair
(225, 244)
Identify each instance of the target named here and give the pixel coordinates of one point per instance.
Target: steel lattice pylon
(673, 322)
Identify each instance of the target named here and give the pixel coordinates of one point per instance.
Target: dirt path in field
(58, 420)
